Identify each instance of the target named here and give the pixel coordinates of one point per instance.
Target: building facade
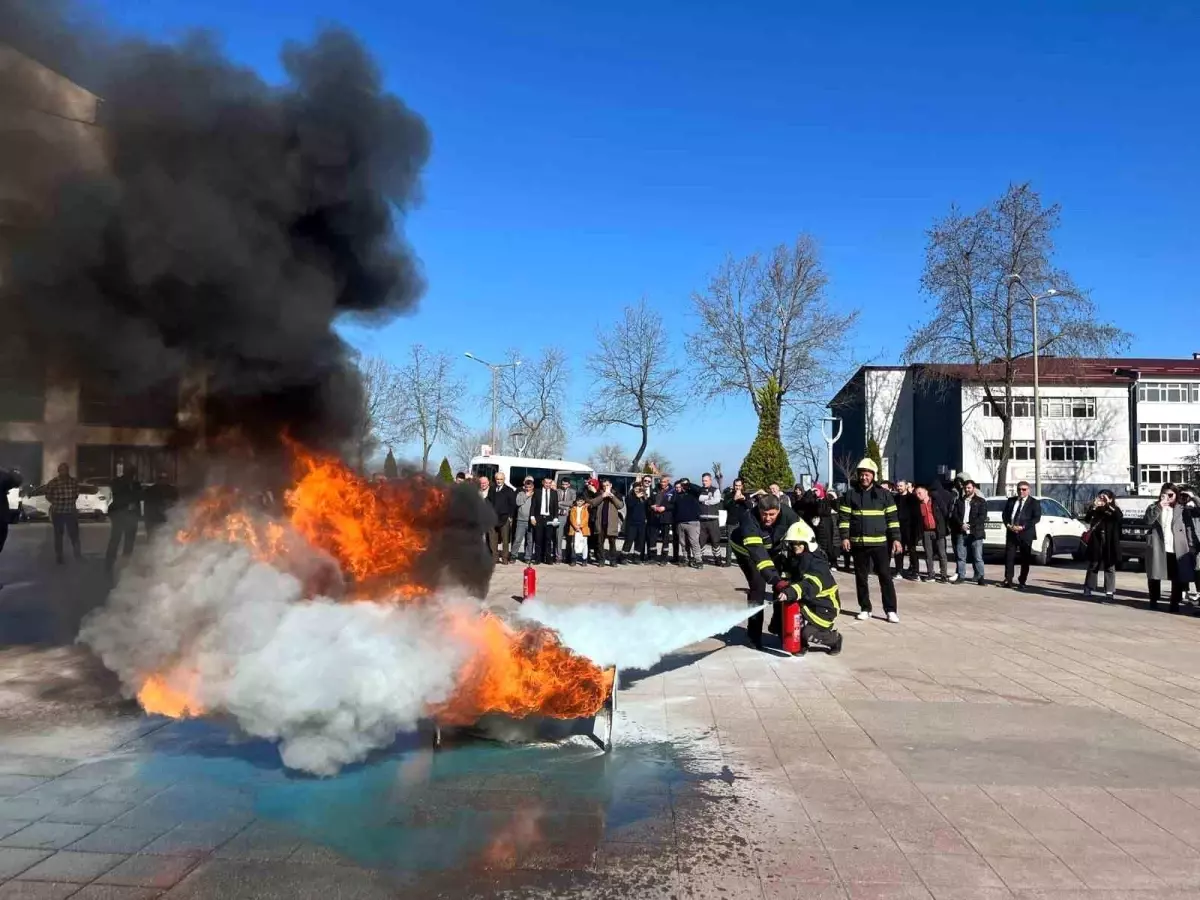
(47, 416)
(1129, 425)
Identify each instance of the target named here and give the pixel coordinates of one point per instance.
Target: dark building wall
(851, 405)
(937, 425)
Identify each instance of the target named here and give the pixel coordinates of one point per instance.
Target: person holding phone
(1104, 544)
(1170, 551)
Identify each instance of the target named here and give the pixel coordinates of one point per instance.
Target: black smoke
(232, 223)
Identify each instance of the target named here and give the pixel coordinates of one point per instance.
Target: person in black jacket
(817, 510)
(870, 531)
(158, 500)
(663, 507)
(968, 524)
(910, 530)
(124, 512)
(1104, 544)
(543, 517)
(503, 500)
(637, 518)
(687, 520)
(1021, 515)
(9, 479)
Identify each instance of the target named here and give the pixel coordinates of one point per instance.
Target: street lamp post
(1037, 396)
(830, 439)
(495, 367)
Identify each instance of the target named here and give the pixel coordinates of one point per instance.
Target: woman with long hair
(1169, 552)
(1104, 544)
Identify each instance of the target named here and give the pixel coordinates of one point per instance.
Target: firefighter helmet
(869, 465)
(799, 533)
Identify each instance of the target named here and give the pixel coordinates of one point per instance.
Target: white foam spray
(632, 637)
(328, 680)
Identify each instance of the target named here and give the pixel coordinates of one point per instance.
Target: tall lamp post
(835, 432)
(495, 367)
(1037, 396)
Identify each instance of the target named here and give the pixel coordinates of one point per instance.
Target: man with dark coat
(10, 479)
(503, 500)
(543, 515)
(124, 512)
(637, 515)
(158, 500)
(910, 529)
(663, 508)
(1021, 515)
(968, 525)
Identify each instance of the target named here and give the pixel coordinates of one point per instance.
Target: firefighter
(752, 541)
(809, 581)
(870, 527)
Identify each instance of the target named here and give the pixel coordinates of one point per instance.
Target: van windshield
(488, 469)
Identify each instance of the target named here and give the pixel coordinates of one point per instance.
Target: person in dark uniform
(870, 528)
(158, 500)
(124, 513)
(752, 541)
(809, 581)
(10, 479)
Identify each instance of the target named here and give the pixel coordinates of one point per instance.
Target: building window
(1052, 408)
(1070, 451)
(1169, 392)
(1020, 450)
(1169, 434)
(1163, 474)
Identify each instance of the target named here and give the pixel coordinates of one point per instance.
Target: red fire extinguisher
(529, 583)
(792, 625)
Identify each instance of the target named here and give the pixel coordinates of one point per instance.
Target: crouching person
(809, 582)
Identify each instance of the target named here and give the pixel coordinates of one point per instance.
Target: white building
(1125, 424)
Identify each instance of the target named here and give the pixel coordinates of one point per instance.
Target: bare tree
(847, 465)
(428, 399)
(465, 443)
(532, 401)
(983, 320)
(610, 458)
(802, 443)
(768, 316)
(377, 422)
(636, 383)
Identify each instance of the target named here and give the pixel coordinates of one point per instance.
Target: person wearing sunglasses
(1170, 554)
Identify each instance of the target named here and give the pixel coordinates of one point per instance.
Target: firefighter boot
(814, 638)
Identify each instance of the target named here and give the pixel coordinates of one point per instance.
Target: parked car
(1133, 529)
(92, 503)
(1058, 533)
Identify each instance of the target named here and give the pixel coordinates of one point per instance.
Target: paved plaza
(993, 745)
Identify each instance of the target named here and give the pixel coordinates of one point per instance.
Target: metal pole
(830, 440)
(1037, 408)
(495, 406)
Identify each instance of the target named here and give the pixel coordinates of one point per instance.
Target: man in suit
(503, 500)
(542, 515)
(566, 499)
(1021, 515)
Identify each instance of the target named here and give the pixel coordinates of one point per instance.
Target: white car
(1058, 533)
(93, 502)
(14, 505)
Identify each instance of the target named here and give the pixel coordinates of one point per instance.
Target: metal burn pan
(538, 729)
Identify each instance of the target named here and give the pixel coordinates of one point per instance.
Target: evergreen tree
(389, 466)
(767, 461)
(874, 453)
(444, 472)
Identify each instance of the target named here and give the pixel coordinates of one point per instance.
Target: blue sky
(586, 155)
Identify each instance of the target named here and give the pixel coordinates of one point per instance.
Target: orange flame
(377, 533)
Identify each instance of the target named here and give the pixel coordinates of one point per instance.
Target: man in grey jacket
(710, 520)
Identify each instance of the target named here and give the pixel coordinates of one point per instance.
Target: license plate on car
(994, 526)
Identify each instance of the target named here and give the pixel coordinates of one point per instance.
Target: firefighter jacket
(812, 585)
(754, 541)
(868, 518)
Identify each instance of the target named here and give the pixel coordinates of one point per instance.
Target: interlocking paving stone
(36, 890)
(149, 871)
(71, 865)
(115, 839)
(46, 836)
(13, 860)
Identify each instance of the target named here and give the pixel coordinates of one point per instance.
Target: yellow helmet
(799, 533)
(868, 464)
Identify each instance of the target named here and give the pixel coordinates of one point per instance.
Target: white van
(517, 468)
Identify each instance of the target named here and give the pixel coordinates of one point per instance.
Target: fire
(160, 698)
(377, 533)
(523, 673)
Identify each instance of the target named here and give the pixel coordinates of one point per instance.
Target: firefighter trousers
(757, 595)
(879, 557)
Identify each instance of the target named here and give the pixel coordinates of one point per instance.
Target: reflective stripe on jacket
(754, 541)
(868, 517)
(814, 587)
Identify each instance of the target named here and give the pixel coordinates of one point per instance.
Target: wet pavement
(994, 745)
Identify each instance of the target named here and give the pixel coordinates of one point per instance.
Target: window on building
(1022, 408)
(1070, 451)
(1019, 451)
(1169, 392)
(1151, 433)
(1052, 408)
(1154, 473)
(101, 403)
(98, 462)
(23, 455)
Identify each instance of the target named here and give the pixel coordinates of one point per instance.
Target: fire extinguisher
(792, 626)
(529, 583)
